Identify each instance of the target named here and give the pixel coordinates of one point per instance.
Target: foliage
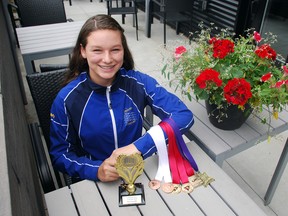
(229, 70)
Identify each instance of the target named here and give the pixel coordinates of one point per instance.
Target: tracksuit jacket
(89, 121)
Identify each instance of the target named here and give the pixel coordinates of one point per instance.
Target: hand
(107, 172)
(127, 150)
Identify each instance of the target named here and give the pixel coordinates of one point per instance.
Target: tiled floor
(251, 169)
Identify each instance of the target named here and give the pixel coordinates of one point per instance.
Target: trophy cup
(129, 168)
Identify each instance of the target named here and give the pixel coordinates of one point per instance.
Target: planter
(233, 118)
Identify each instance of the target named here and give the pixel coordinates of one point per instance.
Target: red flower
(265, 51)
(266, 77)
(212, 40)
(237, 91)
(285, 70)
(257, 37)
(179, 51)
(279, 84)
(208, 76)
(221, 48)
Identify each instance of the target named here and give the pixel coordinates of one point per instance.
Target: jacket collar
(102, 89)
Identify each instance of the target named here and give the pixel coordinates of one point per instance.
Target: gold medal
(167, 187)
(206, 179)
(187, 187)
(154, 184)
(176, 189)
(195, 181)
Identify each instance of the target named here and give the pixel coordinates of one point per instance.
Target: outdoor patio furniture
(44, 87)
(123, 7)
(35, 12)
(222, 197)
(170, 11)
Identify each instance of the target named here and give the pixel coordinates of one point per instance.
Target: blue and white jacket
(89, 121)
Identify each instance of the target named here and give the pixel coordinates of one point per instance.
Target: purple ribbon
(181, 144)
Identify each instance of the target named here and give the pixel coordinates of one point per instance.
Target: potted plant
(229, 73)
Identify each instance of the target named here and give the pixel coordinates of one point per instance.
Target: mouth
(107, 68)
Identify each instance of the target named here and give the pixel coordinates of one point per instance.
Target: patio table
(221, 197)
(221, 144)
(45, 41)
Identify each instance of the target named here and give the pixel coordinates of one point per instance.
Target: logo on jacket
(129, 116)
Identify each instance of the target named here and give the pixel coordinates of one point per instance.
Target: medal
(206, 179)
(154, 184)
(187, 187)
(167, 187)
(195, 181)
(176, 189)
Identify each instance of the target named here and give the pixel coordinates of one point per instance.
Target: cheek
(92, 58)
(119, 57)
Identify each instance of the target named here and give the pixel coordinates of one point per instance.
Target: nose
(107, 57)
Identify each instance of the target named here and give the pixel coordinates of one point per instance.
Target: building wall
(20, 188)
(238, 15)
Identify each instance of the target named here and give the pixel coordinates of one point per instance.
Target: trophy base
(126, 199)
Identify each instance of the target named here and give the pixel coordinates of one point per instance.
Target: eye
(97, 50)
(116, 50)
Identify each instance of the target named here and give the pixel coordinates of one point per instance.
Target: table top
(41, 38)
(221, 197)
(222, 144)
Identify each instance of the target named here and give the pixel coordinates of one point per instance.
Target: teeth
(106, 67)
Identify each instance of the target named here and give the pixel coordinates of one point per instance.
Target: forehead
(104, 37)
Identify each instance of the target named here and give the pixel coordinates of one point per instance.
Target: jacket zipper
(108, 90)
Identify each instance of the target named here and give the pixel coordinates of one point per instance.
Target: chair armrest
(41, 159)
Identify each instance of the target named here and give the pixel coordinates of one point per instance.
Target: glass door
(275, 20)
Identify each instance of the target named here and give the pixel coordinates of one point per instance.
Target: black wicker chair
(35, 12)
(52, 67)
(44, 88)
(123, 7)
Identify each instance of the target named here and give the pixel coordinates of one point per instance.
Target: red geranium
(237, 91)
(257, 36)
(221, 48)
(266, 77)
(265, 51)
(279, 84)
(229, 69)
(208, 76)
(285, 70)
(179, 51)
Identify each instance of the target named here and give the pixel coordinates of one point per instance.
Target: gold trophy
(129, 168)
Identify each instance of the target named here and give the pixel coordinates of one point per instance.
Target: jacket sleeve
(164, 104)
(65, 153)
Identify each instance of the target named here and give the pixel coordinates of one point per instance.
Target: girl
(98, 114)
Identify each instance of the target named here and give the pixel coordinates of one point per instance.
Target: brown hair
(77, 63)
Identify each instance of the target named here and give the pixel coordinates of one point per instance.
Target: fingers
(127, 150)
(107, 172)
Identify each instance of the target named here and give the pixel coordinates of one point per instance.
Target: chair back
(40, 12)
(44, 88)
(121, 7)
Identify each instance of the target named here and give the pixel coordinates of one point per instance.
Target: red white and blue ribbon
(163, 171)
(175, 164)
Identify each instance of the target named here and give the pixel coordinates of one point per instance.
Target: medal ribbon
(163, 170)
(181, 144)
(179, 165)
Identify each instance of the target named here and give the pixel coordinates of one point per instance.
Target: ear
(83, 51)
